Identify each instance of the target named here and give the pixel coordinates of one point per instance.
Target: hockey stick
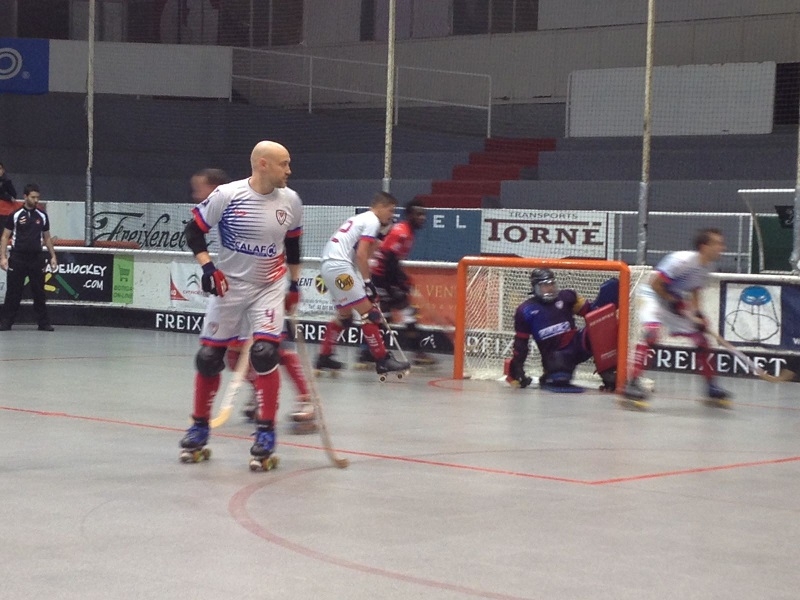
(784, 376)
(239, 374)
(393, 334)
(302, 351)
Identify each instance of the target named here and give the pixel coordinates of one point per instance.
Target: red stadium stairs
(502, 159)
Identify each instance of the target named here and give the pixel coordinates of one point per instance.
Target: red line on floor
(238, 510)
(423, 461)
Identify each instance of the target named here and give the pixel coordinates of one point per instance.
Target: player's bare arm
(48, 242)
(363, 252)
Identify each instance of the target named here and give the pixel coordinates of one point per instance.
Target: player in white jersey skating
(671, 299)
(345, 270)
(260, 221)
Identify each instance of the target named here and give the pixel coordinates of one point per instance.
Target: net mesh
(492, 297)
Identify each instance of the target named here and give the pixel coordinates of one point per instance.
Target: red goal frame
(531, 263)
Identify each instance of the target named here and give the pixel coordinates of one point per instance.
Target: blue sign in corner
(449, 235)
(24, 66)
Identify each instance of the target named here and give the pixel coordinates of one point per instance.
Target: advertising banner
(448, 235)
(152, 226)
(82, 277)
(185, 286)
(122, 290)
(24, 66)
(548, 233)
(760, 314)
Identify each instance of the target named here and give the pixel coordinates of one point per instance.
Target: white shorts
(245, 306)
(343, 281)
(652, 310)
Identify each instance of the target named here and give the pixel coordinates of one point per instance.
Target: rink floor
(455, 489)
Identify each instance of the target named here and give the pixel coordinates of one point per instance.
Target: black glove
(371, 291)
(516, 376)
(213, 280)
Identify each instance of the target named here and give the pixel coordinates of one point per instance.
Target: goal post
(488, 291)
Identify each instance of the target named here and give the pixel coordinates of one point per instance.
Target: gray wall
(679, 196)
(575, 35)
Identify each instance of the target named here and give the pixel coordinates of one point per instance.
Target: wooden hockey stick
(239, 375)
(784, 376)
(302, 351)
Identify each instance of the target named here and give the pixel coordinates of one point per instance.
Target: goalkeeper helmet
(543, 285)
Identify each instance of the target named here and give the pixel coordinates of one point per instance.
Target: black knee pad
(264, 356)
(209, 360)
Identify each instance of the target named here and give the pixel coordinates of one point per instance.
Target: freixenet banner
(152, 226)
(548, 233)
(24, 66)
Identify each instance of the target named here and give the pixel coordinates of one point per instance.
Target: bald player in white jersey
(345, 270)
(260, 221)
(671, 299)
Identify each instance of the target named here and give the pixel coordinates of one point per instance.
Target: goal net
(489, 290)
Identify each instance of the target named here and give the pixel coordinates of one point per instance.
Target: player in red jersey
(394, 284)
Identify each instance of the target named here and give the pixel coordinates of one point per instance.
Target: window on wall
(471, 17)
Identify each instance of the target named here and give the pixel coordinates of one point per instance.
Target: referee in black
(27, 228)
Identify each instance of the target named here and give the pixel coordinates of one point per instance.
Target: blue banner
(24, 66)
(449, 235)
(790, 317)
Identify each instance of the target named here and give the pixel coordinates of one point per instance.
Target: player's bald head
(271, 151)
(270, 162)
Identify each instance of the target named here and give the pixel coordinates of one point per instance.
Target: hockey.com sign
(548, 233)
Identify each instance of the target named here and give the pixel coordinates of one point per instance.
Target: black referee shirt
(27, 227)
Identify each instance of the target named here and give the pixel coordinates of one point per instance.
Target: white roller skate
(193, 444)
(388, 364)
(262, 452)
(303, 416)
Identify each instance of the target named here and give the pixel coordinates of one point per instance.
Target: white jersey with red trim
(682, 272)
(252, 229)
(343, 243)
